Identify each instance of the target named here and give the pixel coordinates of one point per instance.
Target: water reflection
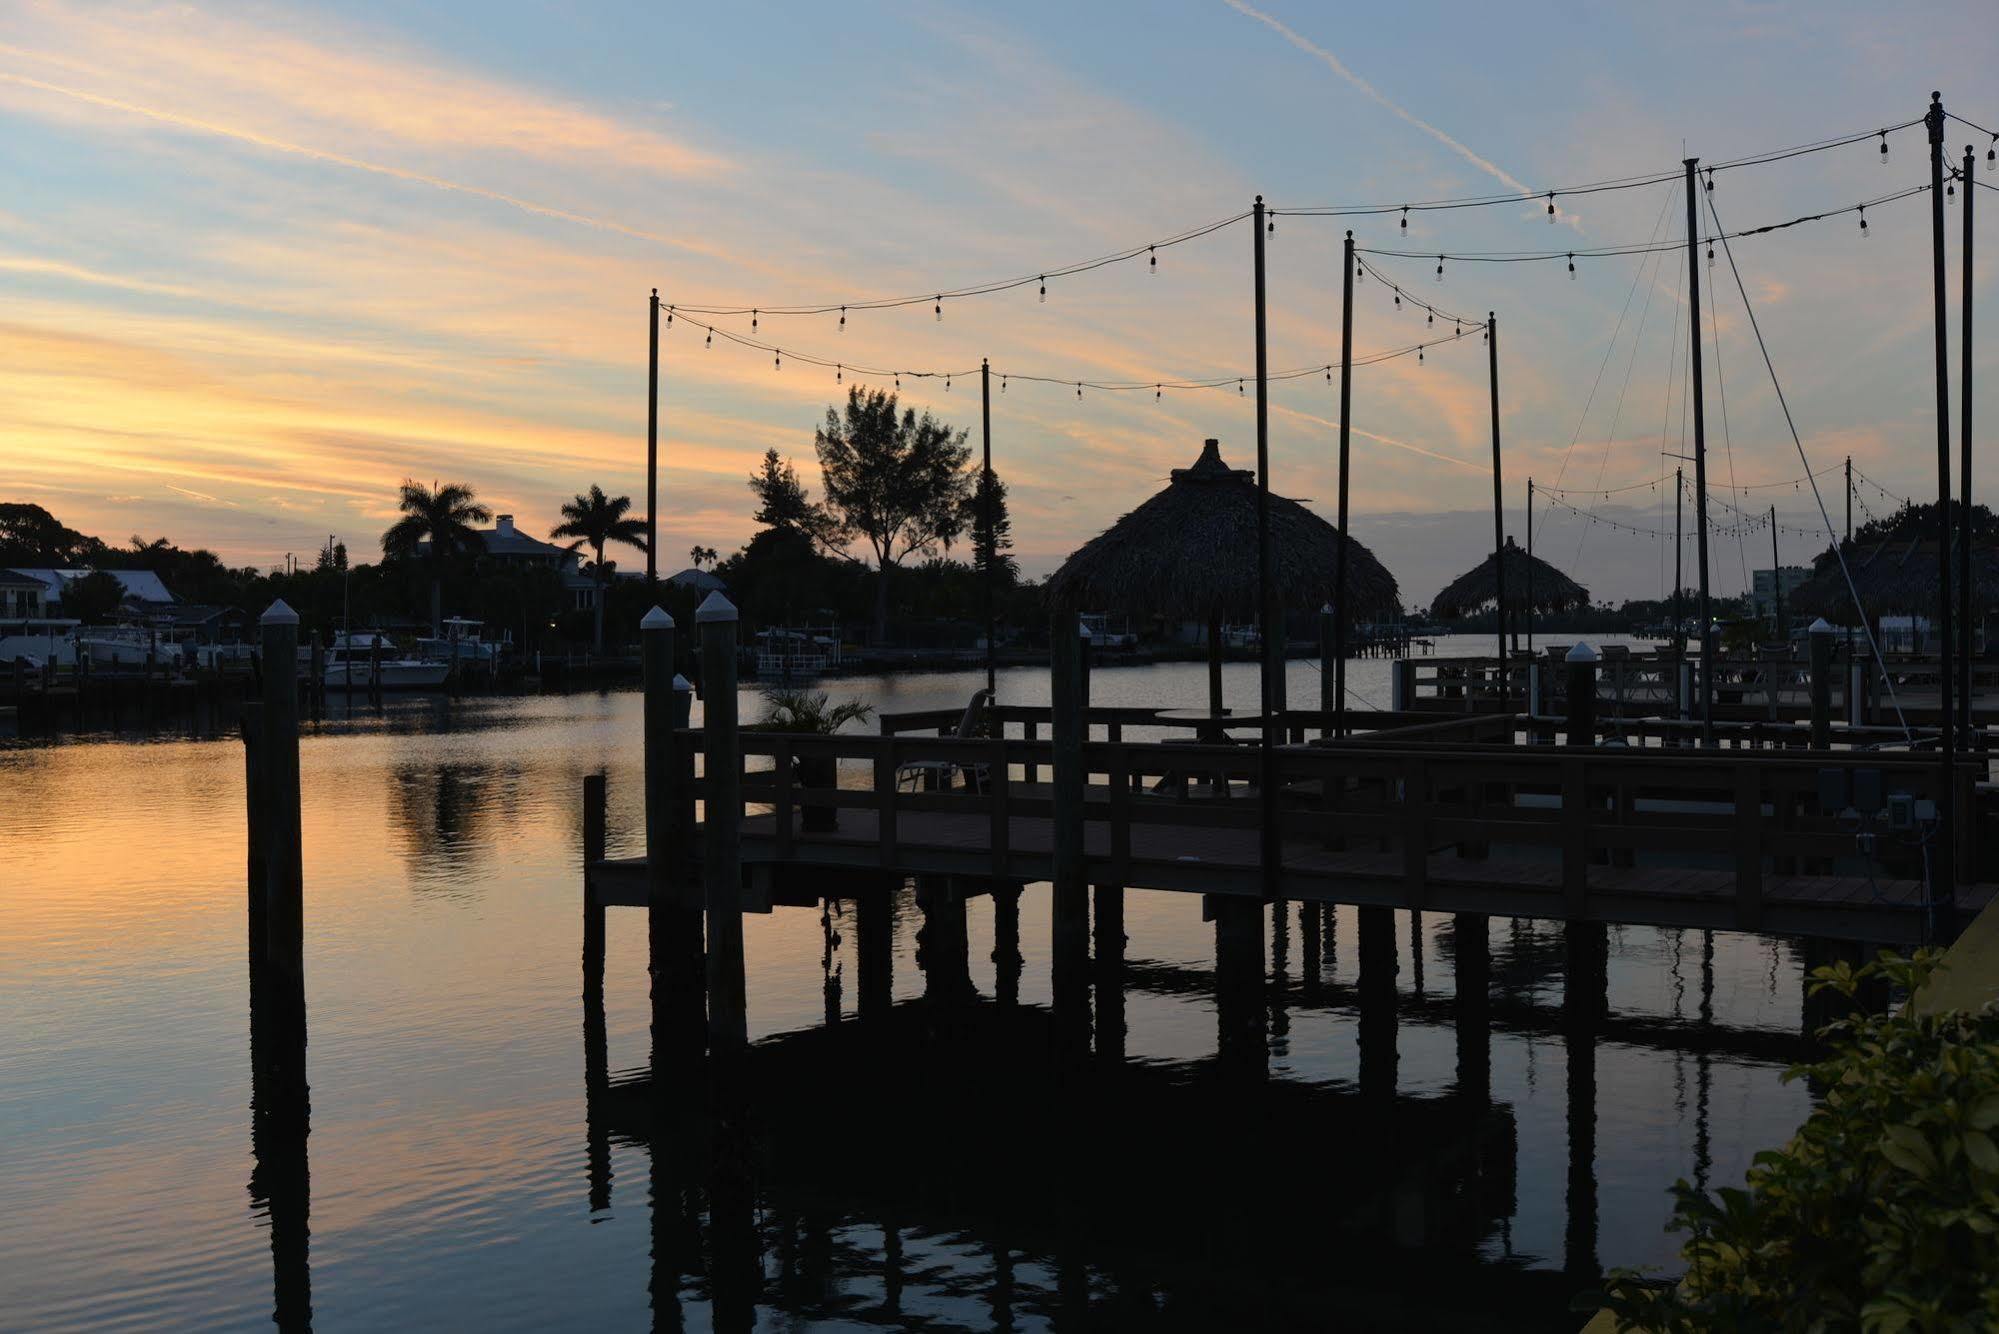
(280, 1120)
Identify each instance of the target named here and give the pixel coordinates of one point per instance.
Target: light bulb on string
(1358, 271)
(1551, 208)
(839, 374)
(1710, 255)
(940, 307)
(1950, 193)
(1398, 298)
(1572, 266)
(947, 384)
(1152, 260)
(1419, 352)
(1863, 222)
(1044, 289)
(1431, 318)
(1329, 375)
(1079, 389)
(1002, 384)
(1884, 148)
(669, 317)
(1238, 388)
(710, 340)
(1710, 180)
(1405, 217)
(777, 361)
(1157, 394)
(898, 379)
(1440, 268)
(1992, 154)
(753, 321)
(843, 319)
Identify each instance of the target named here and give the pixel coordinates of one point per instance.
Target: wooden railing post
(722, 875)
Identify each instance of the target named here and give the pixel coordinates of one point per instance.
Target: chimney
(505, 526)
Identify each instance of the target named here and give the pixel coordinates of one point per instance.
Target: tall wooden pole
(652, 447)
(1340, 613)
(1944, 857)
(1272, 621)
(1700, 454)
(1498, 515)
(1964, 461)
(992, 533)
(1679, 615)
(1528, 606)
(1776, 577)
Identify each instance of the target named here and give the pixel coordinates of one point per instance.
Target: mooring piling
(1472, 964)
(722, 865)
(1581, 667)
(674, 949)
(1822, 645)
(874, 947)
(593, 907)
(1377, 1039)
(1070, 907)
(278, 766)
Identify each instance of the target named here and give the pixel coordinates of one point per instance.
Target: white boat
(463, 643)
(355, 661)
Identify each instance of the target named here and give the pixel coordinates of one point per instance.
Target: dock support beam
(722, 871)
(1070, 908)
(1586, 952)
(942, 951)
(874, 946)
(1822, 646)
(1108, 929)
(1470, 935)
(284, 872)
(1007, 959)
(674, 951)
(1377, 1007)
(593, 906)
(1243, 1040)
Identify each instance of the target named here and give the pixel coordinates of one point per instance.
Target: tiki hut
(1526, 576)
(1189, 553)
(1897, 577)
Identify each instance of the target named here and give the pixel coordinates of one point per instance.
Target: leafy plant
(1881, 1215)
(809, 711)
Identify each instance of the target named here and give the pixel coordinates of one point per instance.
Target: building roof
(701, 581)
(16, 579)
(142, 585)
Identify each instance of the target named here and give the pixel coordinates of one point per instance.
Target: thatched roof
(1190, 551)
(1474, 590)
(1895, 578)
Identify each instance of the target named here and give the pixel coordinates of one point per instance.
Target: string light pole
(1700, 453)
(652, 448)
(992, 533)
(1964, 459)
(1340, 552)
(1498, 514)
(1273, 629)
(1943, 866)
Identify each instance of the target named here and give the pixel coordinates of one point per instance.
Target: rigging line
(974, 289)
(1609, 350)
(1728, 445)
(1594, 187)
(1623, 249)
(1825, 514)
(1637, 341)
(1971, 123)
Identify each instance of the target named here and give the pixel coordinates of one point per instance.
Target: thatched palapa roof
(1475, 589)
(1190, 552)
(1894, 578)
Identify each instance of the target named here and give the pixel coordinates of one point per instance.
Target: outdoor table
(1209, 729)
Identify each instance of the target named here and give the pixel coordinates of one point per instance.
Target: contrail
(1333, 62)
(184, 122)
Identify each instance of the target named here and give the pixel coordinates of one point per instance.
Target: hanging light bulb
(1992, 154)
(1551, 207)
(1156, 394)
(940, 307)
(1079, 389)
(1884, 148)
(839, 374)
(1572, 266)
(1358, 271)
(1044, 289)
(777, 361)
(1271, 225)
(1238, 388)
(1398, 298)
(753, 321)
(1950, 193)
(1002, 384)
(843, 319)
(669, 317)
(1419, 352)
(1710, 255)
(1405, 217)
(1329, 375)
(1440, 268)
(947, 384)
(1431, 318)
(1710, 180)
(1152, 260)
(1863, 222)
(898, 379)
(710, 341)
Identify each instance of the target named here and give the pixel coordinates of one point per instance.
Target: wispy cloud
(1339, 67)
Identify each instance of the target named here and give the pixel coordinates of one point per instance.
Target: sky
(261, 262)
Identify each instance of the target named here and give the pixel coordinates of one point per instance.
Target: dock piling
(1581, 664)
(1822, 646)
(674, 949)
(278, 764)
(1070, 909)
(593, 907)
(722, 873)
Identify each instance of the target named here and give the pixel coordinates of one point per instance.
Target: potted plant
(812, 713)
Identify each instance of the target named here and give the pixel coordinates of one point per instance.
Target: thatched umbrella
(1893, 578)
(1474, 590)
(1189, 553)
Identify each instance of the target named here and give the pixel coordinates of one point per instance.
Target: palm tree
(596, 519)
(437, 523)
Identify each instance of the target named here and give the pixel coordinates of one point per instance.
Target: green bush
(1881, 1215)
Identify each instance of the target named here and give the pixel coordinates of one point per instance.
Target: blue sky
(262, 261)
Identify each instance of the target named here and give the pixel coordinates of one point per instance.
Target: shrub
(1881, 1215)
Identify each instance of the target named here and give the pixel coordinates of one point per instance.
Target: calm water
(458, 1173)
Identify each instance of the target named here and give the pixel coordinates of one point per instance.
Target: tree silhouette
(437, 523)
(897, 482)
(596, 519)
(996, 542)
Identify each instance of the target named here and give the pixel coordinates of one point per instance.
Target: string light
(1419, 354)
(1238, 388)
(1710, 180)
(669, 317)
(1152, 260)
(1884, 148)
(1405, 217)
(1992, 154)
(1551, 208)
(753, 321)
(710, 340)
(947, 384)
(1002, 384)
(1079, 389)
(843, 319)
(1710, 254)
(1157, 394)
(940, 307)
(1572, 266)
(839, 374)
(777, 361)
(1398, 298)
(1863, 222)
(1431, 318)
(1440, 268)
(1044, 289)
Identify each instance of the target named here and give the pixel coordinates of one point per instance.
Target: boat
(785, 653)
(462, 643)
(370, 661)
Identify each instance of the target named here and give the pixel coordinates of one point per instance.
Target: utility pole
(1679, 616)
(1700, 453)
(1964, 626)
(1340, 552)
(1943, 864)
(1272, 621)
(1776, 577)
(992, 532)
(1498, 517)
(1528, 605)
(652, 448)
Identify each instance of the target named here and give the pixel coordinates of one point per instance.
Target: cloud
(1337, 66)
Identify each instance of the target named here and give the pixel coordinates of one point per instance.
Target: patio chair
(914, 772)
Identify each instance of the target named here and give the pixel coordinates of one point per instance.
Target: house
(21, 596)
(702, 582)
(508, 545)
(138, 585)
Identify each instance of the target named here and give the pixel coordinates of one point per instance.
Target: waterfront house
(507, 545)
(21, 596)
(137, 585)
